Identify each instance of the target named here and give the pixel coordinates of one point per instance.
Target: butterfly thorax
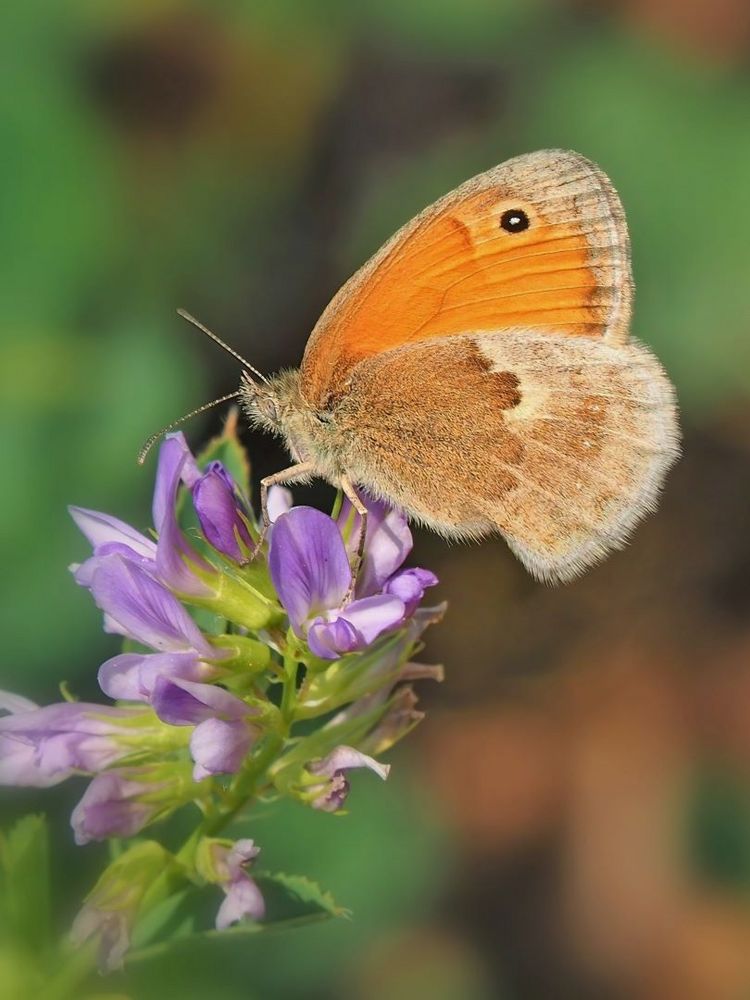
(310, 435)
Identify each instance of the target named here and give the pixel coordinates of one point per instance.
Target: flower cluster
(232, 637)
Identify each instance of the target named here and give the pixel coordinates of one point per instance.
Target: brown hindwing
(560, 444)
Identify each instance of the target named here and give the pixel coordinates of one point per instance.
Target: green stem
(289, 693)
(338, 503)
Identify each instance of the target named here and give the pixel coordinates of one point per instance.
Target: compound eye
(515, 220)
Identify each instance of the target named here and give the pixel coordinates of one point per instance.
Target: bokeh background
(573, 818)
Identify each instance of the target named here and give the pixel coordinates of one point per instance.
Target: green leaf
(166, 920)
(24, 882)
(293, 898)
(291, 901)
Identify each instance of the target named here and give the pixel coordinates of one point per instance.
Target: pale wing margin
(598, 430)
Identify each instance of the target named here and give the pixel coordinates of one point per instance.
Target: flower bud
(330, 793)
(121, 802)
(111, 908)
(224, 863)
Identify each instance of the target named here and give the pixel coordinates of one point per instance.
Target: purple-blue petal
(43, 746)
(173, 554)
(410, 585)
(174, 558)
(104, 530)
(219, 747)
(176, 463)
(221, 514)
(131, 676)
(144, 609)
(330, 639)
(371, 616)
(345, 758)
(308, 563)
(243, 900)
(387, 543)
(187, 703)
(83, 573)
(110, 807)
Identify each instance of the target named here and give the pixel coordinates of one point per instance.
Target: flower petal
(387, 543)
(175, 462)
(144, 609)
(219, 747)
(345, 758)
(19, 766)
(308, 563)
(279, 502)
(110, 807)
(221, 514)
(43, 746)
(131, 676)
(13, 703)
(330, 639)
(371, 616)
(243, 899)
(186, 703)
(173, 554)
(410, 585)
(103, 529)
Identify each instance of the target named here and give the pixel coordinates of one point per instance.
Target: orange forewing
(454, 270)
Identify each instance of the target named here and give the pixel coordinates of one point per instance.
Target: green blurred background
(573, 818)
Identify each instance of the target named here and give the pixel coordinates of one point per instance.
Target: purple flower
(109, 535)
(223, 733)
(223, 514)
(177, 563)
(171, 559)
(139, 607)
(332, 792)
(312, 576)
(43, 746)
(410, 585)
(310, 567)
(120, 803)
(243, 899)
(387, 544)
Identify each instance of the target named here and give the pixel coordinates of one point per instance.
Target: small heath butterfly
(478, 372)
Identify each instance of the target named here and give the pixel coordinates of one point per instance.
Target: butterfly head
(279, 407)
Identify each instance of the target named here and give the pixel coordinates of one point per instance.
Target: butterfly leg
(290, 475)
(351, 495)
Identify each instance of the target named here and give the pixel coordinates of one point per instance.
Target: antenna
(176, 423)
(217, 340)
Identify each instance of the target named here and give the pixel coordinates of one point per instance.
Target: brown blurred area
(570, 769)
(589, 749)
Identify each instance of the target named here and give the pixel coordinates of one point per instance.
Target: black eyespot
(515, 220)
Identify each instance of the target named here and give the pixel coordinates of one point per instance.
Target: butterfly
(478, 372)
